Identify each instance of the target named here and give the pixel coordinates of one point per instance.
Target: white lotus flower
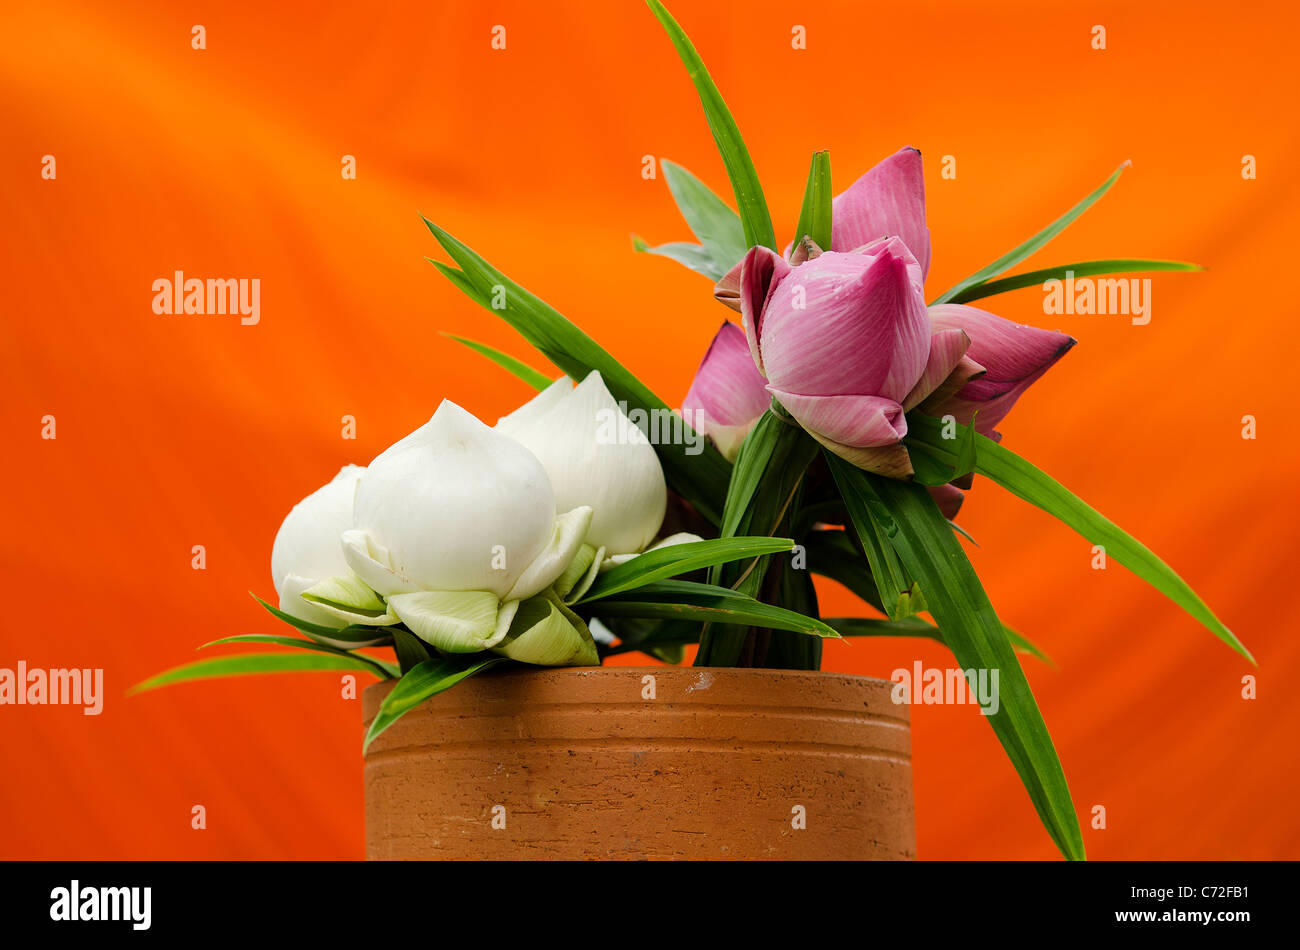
(454, 526)
(307, 551)
(595, 457)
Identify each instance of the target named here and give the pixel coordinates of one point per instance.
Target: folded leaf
(898, 592)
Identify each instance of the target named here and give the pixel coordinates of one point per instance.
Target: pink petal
(947, 347)
(857, 421)
(889, 460)
(761, 271)
(888, 200)
(728, 394)
(727, 290)
(1014, 356)
(948, 498)
(848, 323)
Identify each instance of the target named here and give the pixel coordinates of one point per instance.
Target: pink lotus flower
(846, 343)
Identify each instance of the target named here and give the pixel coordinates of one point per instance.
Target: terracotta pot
(593, 763)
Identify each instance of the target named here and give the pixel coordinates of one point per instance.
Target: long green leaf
(687, 600)
(1025, 480)
(427, 679)
(244, 664)
(700, 478)
(714, 224)
(679, 559)
(1018, 254)
(752, 205)
(1034, 278)
(930, 552)
(815, 215)
(383, 667)
(694, 256)
(535, 378)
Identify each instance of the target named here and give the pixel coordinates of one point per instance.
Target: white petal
(455, 506)
(291, 602)
(595, 456)
(370, 562)
(566, 538)
(546, 633)
(348, 598)
(307, 544)
(531, 412)
(681, 537)
(462, 621)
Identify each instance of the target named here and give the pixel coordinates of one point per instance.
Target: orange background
(175, 431)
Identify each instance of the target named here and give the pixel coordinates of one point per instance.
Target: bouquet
(833, 427)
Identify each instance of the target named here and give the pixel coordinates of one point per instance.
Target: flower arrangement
(834, 430)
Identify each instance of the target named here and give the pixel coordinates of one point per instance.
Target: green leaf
(1080, 269)
(678, 559)
(876, 528)
(1018, 254)
(383, 667)
(765, 480)
(535, 378)
(687, 600)
(754, 215)
(699, 478)
(716, 226)
(427, 679)
(353, 633)
(411, 650)
(1027, 481)
(971, 628)
(694, 256)
(815, 215)
(244, 664)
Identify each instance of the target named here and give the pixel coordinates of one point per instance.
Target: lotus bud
(594, 457)
(454, 525)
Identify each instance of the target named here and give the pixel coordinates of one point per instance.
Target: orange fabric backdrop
(174, 431)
